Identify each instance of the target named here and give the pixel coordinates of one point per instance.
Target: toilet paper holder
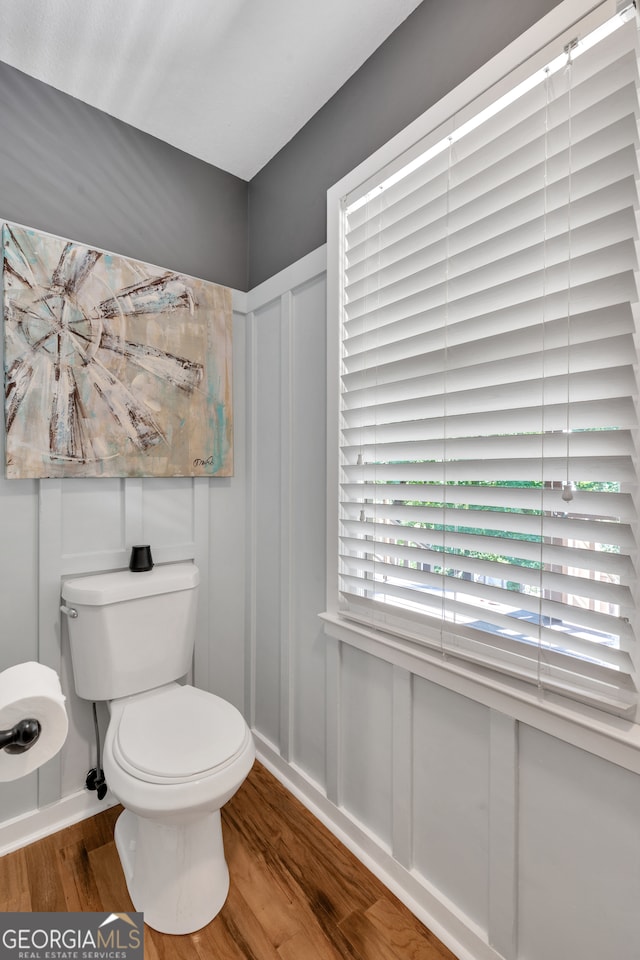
(20, 737)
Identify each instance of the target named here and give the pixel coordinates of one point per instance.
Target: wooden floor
(296, 892)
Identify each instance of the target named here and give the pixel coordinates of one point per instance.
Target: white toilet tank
(133, 631)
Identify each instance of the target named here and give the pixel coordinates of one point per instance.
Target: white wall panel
(92, 516)
(18, 797)
(308, 524)
(451, 796)
(286, 558)
(503, 833)
(168, 513)
(267, 519)
(365, 724)
(579, 854)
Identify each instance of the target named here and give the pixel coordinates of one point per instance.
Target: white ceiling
(229, 81)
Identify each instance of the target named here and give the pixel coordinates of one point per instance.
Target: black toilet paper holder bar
(20, 737)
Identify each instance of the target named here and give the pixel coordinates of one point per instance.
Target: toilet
(173, 754)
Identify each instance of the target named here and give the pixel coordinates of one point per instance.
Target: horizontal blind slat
(584, 443)
(457, 367)
(576, 529)
(591, 414)
(555, 469)
(389, 401)
(599, 504)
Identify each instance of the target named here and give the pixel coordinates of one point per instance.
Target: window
(487, 418)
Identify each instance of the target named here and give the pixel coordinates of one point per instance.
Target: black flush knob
(140, 560)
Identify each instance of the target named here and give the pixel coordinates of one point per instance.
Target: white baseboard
(455, 930)
(32, 826)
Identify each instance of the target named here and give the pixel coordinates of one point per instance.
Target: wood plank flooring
(296, 892)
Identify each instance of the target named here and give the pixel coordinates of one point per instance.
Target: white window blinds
(488, 388)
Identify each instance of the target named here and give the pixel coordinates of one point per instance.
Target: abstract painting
(113, 367)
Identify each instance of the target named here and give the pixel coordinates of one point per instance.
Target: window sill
(609, 737)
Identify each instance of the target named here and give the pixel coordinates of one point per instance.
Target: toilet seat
(177, 734)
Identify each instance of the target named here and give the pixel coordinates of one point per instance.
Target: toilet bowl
(173, 757)
(173, 754)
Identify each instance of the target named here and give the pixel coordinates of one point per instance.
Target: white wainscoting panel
(266, 543)
(451, 796)
(366, 713)
(169, 512)
(579, 853)
(286, 507)
(503, 833)
(402, 767)
(92, 513)
(266, 540)
(307, 525)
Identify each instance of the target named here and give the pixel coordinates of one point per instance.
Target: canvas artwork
(113, 367)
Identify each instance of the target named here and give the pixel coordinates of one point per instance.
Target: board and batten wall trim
(275, 297)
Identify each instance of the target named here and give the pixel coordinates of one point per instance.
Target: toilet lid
(179, 733)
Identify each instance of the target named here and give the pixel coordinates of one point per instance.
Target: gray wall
(435, 49)
(74, 171)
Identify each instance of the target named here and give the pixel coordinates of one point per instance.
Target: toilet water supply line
(95, 778)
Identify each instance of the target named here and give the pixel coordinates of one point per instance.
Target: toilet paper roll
(31, 691)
